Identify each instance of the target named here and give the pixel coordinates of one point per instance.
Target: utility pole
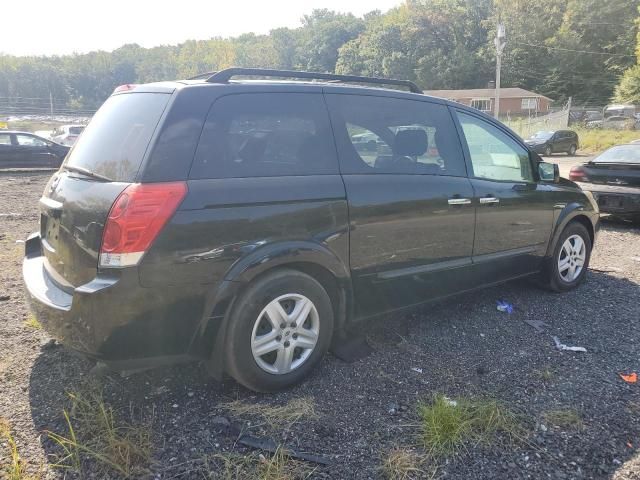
(51, 102)
(500, 42)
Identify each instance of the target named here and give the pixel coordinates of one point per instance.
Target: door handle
(459, 201)
(489, 200)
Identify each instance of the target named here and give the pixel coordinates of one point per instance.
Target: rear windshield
(113, 144)
(620, 154)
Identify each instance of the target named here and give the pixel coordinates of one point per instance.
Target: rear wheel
(570, 261)
(572, 150)
(279, 331)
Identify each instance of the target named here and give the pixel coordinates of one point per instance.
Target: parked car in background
(613, 177)
(67, 134)
(240, 223)
(615, 122)
(554, 141)
(26, 150)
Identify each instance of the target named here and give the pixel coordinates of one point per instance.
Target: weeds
(32, 323)
(403, 464)
(278, 417)
(95, 433)
(448, 425)
(546, 374)
(596, 140)
(233, 466)
(564, 418)
(15, 467)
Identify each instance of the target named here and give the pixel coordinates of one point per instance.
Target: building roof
(510, 92)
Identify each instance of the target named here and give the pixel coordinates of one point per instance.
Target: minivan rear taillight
(135, 219)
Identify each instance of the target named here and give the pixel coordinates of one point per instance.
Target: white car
(66, 134)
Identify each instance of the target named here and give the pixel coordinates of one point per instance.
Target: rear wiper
(88, 173)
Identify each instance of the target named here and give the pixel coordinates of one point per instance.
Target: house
(513, 100)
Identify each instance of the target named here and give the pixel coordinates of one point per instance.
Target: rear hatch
(105, 160)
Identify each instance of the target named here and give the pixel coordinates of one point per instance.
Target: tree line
(559, 48)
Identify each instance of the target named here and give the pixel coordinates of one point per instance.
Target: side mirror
(549, 172)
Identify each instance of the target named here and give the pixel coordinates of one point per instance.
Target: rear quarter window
(114, 143)
(266, 135)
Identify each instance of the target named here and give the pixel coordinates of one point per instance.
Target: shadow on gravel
(461, 346)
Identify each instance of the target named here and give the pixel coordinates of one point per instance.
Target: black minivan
(250, 223)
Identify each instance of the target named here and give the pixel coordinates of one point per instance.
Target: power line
(576, 51)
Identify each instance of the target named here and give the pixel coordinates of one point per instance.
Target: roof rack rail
(201, 75)
(223, 76)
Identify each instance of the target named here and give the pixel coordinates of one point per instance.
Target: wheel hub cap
(571, 258)
(285, 333)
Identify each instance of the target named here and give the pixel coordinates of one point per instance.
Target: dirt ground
(460, 347)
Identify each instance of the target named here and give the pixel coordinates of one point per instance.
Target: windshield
(541, 136)
(115, 141)
(620, 154)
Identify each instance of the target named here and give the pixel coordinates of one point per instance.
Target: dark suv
(248, 224)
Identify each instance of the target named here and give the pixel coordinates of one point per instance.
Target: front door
(32, 151)
(514, 212)
(410, 208)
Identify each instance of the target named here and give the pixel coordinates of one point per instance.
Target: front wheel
(571, 255)
(548, 151)
(279, 331)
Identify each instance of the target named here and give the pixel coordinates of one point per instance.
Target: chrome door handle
(489, 200)
(459, 201)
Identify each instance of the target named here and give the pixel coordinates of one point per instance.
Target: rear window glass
(620, 154)
(264, 135)
(114, 143)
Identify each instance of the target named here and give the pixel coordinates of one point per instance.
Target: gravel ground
(463, 346)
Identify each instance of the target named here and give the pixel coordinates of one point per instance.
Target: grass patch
(13, 468)
(32, 323)
(278, 417)
(450, 425)
(95, 433)
(403, 464)
(593, 140)
(546, 374)
(564, 418)
(233, 466)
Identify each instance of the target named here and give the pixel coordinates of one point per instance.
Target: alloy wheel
(285, 333)
(571, 258)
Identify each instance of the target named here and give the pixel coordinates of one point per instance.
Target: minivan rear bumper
(111, 318)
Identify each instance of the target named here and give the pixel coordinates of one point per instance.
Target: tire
(548, 151)
(572, 150)
(250, 331)
(561, 280)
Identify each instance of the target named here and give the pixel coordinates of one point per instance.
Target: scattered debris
(451, 403)
(4, 298)
(417, 370)
(562, 346)
(19, 241)
(629, 378)
(393, 408)
(270, 446)
(538, 325)
(504, 306)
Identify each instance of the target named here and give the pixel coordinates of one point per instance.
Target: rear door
(410, 212)
(75, 205)
(514, 212)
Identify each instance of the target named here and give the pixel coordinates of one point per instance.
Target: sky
(46, 27)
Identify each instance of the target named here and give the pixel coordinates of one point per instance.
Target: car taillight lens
(135, 219)
(577, 174)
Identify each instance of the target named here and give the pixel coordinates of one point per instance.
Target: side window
(5, 139)
(29, 141)
(495, 155)
(393, 135)
(264, 135)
